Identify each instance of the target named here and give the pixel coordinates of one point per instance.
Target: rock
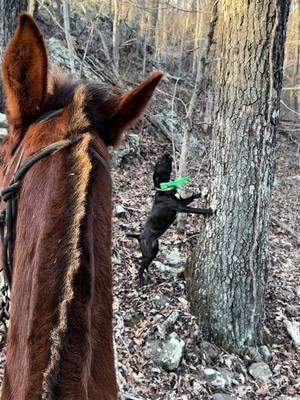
(291, 310)
(218, 379)
(174, 258)
(3, 125)
(222, 396)
(132, 319)
(265, 353)
(261, 371)
(120, 210)
(267, 337)
(254, 354)
(3, 122)
(219, 382)
(169, 120)
(295, 177)
(208, 351)
(167, 353)
(276, 182)
(59, 55)
(3, 133)
(197, 388)
(209, 374)
(160, 300)
(129, 150)
(227, 375)
(164, 268)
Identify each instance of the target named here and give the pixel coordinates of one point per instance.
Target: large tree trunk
(9, 11)
(227, 279)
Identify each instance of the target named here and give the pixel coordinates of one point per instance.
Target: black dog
(167, 203)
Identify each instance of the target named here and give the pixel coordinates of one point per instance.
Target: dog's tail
(133, 235)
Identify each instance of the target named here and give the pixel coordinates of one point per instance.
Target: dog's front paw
(210, 211)
(197, 196)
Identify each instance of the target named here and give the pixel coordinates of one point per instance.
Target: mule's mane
(62, 88)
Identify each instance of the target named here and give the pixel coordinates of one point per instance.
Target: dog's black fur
(163, 214)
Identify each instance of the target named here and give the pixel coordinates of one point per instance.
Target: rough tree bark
(9, 11)
(227, 276)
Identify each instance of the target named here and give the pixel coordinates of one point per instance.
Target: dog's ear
(128, 107)
(24, 72)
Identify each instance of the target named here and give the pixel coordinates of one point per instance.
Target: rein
(8, 219)
(8, 215)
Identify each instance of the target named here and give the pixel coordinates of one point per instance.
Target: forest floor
(139, 314)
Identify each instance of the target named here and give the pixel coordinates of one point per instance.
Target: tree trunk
(158, 35)
(182, 43)
(164, 38)
(192, 106)
(196, 38)
(9, 11)
(66, 15)
(32, 7)
(227, 276)
(116, 36)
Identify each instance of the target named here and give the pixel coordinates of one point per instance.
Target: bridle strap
(8, 214)
(97, 157)
(8, 218)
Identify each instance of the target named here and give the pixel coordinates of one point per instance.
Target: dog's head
(162, 170)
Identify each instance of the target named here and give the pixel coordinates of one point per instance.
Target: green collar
(169, 185)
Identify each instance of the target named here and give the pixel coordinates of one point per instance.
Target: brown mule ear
(128, 108)
(24, 72)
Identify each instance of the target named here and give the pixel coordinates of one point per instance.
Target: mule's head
(35, 95)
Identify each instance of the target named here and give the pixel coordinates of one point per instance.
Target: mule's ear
(24, 71)
(128, 107)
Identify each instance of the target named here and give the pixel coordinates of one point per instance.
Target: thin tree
(228, 277)
(116, 34)
(66, 15)
(188, 128)
(32, 7)
(9, 11)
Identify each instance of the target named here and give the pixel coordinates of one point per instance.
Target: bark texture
(227, 277)
(9, 11)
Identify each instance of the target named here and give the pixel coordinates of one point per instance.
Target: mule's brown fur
(60, 334)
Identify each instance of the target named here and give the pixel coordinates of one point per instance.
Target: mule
(60, 335)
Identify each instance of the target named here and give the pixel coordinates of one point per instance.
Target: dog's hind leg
(149, 250)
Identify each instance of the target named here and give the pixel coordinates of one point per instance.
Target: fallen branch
(286, 227)
(129, 396)
(168, 323)
(289, 108)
